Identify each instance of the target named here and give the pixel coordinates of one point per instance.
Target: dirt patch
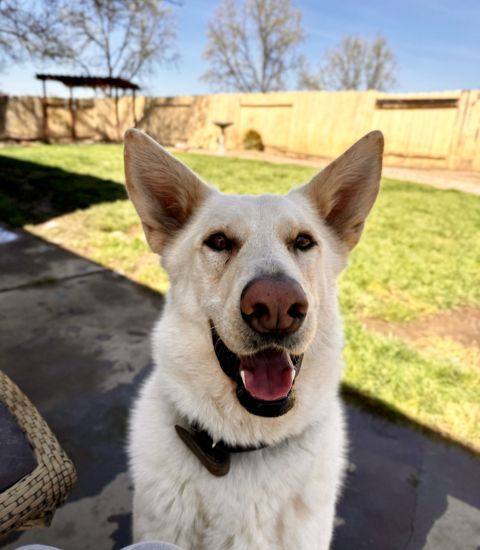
(455, 332)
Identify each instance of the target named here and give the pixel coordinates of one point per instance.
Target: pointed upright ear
(344, 192)
(163, 190)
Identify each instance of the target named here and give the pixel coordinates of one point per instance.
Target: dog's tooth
(242, 374)
(293, 374)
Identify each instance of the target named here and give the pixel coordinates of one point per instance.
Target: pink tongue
(267, 375)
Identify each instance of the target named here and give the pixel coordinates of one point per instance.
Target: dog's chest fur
(279, 497)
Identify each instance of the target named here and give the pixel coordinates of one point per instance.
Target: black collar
(214, 456)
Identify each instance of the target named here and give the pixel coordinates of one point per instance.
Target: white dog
(237, 438)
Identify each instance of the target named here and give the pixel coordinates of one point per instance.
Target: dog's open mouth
(264, 380)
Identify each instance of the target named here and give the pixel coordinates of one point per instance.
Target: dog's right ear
(163, 190)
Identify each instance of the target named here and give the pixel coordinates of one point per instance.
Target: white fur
(282, 496)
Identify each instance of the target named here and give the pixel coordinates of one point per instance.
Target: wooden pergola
(71, 82)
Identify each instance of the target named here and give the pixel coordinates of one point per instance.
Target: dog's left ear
(344, 192)
(163, 190)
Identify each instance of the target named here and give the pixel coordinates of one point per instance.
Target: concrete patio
(74, 337)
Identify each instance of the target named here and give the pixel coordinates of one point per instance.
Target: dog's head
(257, 275)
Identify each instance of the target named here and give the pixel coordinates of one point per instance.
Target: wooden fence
(434, 130)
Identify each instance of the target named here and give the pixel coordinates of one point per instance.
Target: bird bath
(221, 142)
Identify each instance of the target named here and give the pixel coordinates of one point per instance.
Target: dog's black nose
(274, 305)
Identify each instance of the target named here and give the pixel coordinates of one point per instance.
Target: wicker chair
(36, 484)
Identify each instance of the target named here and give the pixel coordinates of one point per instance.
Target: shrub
(253, 140)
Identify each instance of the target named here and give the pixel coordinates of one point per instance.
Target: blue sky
(437, 44)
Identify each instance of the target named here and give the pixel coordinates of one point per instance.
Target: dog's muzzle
(264, 380)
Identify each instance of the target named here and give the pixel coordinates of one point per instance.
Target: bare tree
(380, 66)
(118, 37)
(252, 48)
(30, 28)
(111, 37)
(355, 64)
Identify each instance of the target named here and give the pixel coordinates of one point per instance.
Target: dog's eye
(219, 242)
(304, 242)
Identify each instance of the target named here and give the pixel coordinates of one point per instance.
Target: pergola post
(45, 129)
(117, 115)
(134, 97)
(71, 105)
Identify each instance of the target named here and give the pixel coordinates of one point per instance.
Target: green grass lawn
(419, 256)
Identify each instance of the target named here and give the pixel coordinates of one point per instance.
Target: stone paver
(405, 491)
(74, 336)
(27, 261)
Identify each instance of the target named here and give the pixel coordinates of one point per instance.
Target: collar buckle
(215, 456)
